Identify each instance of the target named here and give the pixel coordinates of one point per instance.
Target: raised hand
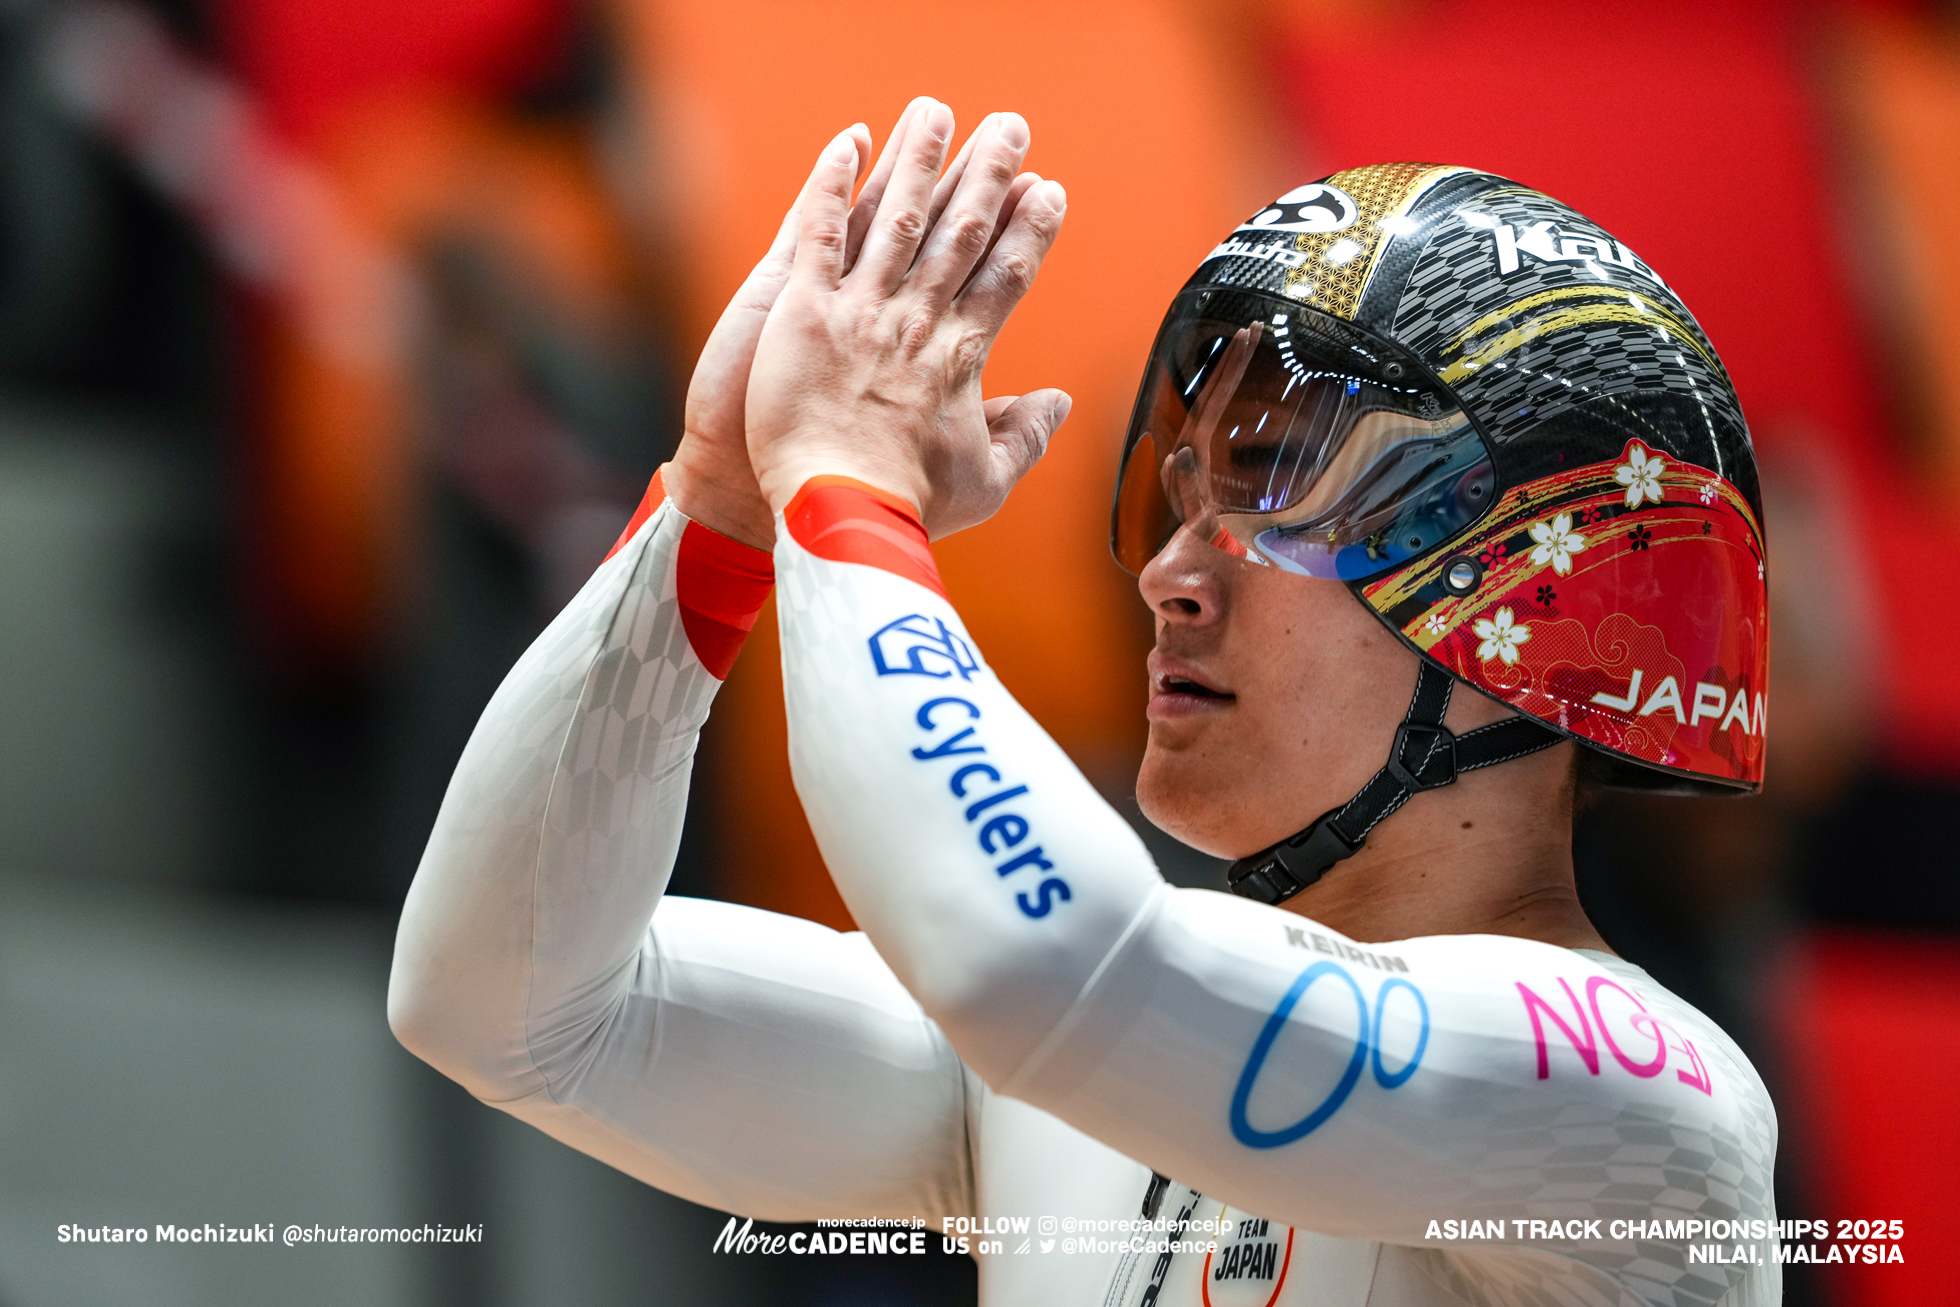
(869, 363)
(709, 476)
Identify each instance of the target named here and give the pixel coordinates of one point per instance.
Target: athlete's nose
(1186, 582)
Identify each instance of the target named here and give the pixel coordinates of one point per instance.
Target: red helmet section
(1623, 602)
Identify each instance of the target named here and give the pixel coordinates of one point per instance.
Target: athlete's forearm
(559, 829)
(985, 868)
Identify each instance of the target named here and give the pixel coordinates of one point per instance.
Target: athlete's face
(1273, 697)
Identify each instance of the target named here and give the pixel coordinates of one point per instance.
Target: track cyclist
(1445, 511)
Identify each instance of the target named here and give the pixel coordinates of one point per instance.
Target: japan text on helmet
(1502, 430)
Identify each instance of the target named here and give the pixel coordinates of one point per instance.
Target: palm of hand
(710, 476)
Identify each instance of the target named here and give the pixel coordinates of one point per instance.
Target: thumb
(1021, 431)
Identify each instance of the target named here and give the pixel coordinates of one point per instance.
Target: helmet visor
(1286, 437)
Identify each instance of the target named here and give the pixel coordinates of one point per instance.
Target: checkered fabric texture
(639, 708)
(1634, 1165)
(628, 702)
(1584, 1147)
(588, 740)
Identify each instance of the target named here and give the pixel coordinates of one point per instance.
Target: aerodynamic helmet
(1508, 437)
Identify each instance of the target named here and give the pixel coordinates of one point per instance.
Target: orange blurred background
(410, 293)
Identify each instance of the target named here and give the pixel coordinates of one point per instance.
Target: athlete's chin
(1188, 798)
(1223, 793)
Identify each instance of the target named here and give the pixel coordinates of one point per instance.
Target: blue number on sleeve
(1383, 1078)
(1242, 1129)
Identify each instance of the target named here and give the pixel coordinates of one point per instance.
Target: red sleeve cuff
(847, 521)
(721, 585)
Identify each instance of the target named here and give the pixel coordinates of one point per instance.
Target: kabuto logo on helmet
(1547, 242)
(1315, 208)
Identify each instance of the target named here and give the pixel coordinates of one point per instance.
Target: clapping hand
(868, 361)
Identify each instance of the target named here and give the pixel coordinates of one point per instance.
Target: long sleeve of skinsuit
(1500, 1120)
(757, 1063)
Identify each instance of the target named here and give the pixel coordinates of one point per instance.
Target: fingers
(949, 182)
(765, 281)
(991, 409)
(861, 139)
(823, 209)
(873, 193)
(900, 223)
(1215, 400)
(1026, 182)
(942, 192)
(964, 232)
(1000, 281)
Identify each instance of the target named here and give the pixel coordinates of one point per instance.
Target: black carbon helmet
(1503, 431)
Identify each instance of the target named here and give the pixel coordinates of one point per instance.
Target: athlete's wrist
(719, 495)
(784, 482)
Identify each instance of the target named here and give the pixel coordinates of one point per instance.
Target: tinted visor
(1285, 436)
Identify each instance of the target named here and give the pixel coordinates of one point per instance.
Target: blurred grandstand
(338, 338)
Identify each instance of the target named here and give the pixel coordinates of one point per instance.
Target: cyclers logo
(1003, 832)
(1547, 242)
(1316, 208)
(917, 645)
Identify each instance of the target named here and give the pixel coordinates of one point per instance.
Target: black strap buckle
(1153, 1197)
(1424, 756)
(1276, 874)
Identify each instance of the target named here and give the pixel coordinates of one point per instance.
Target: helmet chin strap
(1426, 756)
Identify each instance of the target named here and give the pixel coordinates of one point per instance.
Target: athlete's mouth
(1177, 689)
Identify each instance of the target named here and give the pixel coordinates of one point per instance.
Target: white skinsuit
(1032, 1020)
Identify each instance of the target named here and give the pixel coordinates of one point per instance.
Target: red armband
(846, 521)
